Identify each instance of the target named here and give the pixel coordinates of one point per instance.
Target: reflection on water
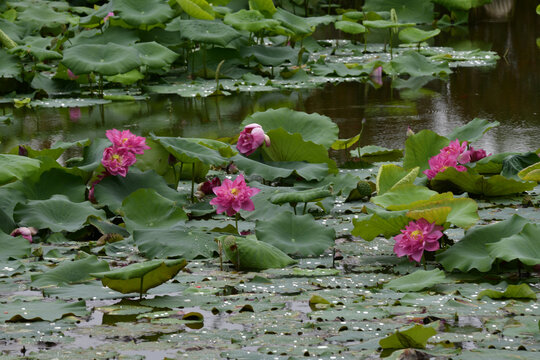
(508, 93)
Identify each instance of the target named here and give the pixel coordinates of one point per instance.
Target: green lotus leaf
(374, 153)
(142, 276)
(461, 5)
(417, 11)
(155, 56)
(15, 167)
(415, 64)
(415, 35)
(385, 24)
(51, 182)
(188, 243)
(20, 310)
(345, 144)
(95, 18)
(421, 147)
(274, 170)
(92, 155)
(199, 9)
(472, 131)
(402, 195)
(317, 128)
(146, 208)
(70, 272)
(252, 254)
(462, 212)
(291, 147)
(298, 25)
(380, 222)
(54, 86)
(350, 27)
(523, 246)
(530, 173)
(415, 337)
(13, 247)
(39, 15)
(513, 164)
(471, 251)
(302, 196)
(338, 69)
(470, 182)
(250, 20)
(110, 59)
(271, 56)
(264, 209)
(297, 235)
(391, 176)
(38, 47)
(9, 65)
(204, 31)
(521, 291)
(113, 34)
(57, 213)
(148, 12)
(7, 224)
(189, 150)
(264, 6)
(112, 190)
(129, 78)
(417, 281)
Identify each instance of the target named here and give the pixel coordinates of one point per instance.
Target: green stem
(192, 182)
(236, 216)
(141, 289)
(424, 262)
(304, 209)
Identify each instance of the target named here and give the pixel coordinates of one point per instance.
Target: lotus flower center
(116, 157)
(417, 235)
(234, 191)
(124, 140)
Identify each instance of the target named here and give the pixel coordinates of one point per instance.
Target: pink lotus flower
(71, 75)
(417, 237)
(207, 186)
(126, 140)
(376, 75)
(25, 232)
(232, 196)
(472, 155)
(106, 18)
(74, 114)
(440, 163)
(454, 155)
(251, 138)
(117, 160)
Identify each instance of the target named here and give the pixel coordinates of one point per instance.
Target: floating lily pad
(14, 247)
(415, 337)
(418, 280)
(70, 272)
(19, 310)
(521, 291)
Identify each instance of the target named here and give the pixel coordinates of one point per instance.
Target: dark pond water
(508, 93)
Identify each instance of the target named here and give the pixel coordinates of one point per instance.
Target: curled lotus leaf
(415, 35)
(250, 20)
(301, 196)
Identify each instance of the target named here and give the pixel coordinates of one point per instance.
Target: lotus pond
(235, 179)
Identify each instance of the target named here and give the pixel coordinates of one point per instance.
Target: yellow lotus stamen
(234, 191)
(417, 234)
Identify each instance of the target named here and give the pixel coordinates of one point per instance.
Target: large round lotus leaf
(415, 35)
(199, 9)
(350, 27)
(250, 20)
(271, 56)
(403, 195)
(145, 208)
(15, 167)
(203, 31)
(524, 246)
(147, 12)
(416, 64)
(274, 170)
(189, 150)
(55, 181)
(298, 25)
(39, 15)
(70, 272)
(155, 56)
(113, 34)
(13, 247)
(313, 127)
(473, 130)
(471, 252)
(264, 6)
(252, 254)
(57, 213)
(39, 48)
(141, 276)
(291, 147)
(298, 235)
(188, 243)
(301, 196)
(112, 190)
(110, 59)
(9, 65)
(420, 147)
